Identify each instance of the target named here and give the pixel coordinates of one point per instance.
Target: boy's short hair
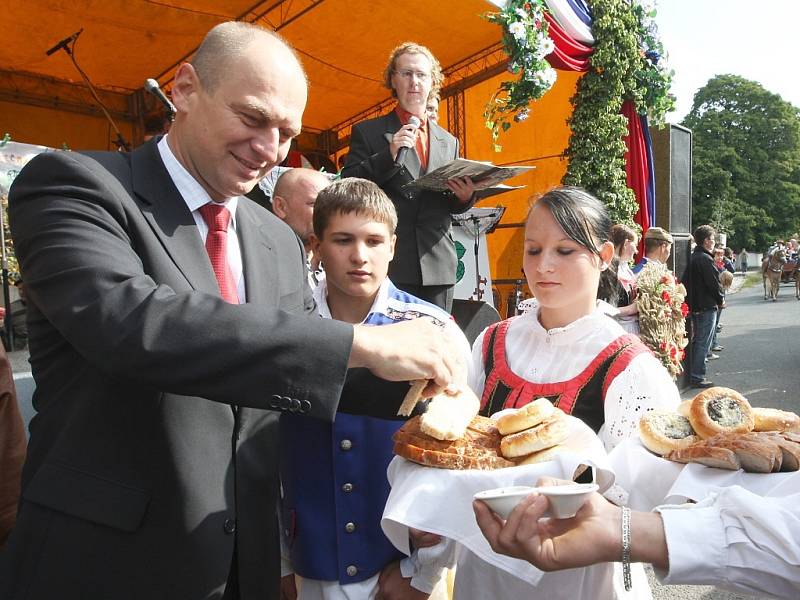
(353, 195)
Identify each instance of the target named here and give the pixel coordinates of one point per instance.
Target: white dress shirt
(737, 540)
(195, 196)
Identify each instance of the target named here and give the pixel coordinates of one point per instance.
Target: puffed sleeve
(643, 386)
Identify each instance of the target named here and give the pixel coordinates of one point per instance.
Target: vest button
(229, 526)
(352, 571)
(347, 488)
(345, 444)
(350, 527)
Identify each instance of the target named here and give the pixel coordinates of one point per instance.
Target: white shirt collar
(579, 328)
(193, 194)
(380, 303)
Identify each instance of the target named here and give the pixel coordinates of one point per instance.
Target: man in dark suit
(425, 258)
(152, 468)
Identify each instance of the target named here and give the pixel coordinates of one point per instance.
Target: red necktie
(217, 218)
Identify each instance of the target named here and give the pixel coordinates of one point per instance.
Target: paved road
(760, 360)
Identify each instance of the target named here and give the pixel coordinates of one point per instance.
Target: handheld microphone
(151, 85)
(63, 43)
(401, 154)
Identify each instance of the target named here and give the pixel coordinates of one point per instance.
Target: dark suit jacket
(138, 469)
(425, 253)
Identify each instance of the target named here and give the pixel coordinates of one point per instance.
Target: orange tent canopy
(344, 45)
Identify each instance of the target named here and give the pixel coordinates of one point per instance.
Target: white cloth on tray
(440, 500)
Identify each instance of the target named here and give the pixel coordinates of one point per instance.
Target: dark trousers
(703, 324)
(440, 295)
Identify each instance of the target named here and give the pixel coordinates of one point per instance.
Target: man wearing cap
(657, 246)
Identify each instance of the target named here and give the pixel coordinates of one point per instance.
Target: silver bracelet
(626, 548)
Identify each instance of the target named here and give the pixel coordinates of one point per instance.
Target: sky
(754, 40)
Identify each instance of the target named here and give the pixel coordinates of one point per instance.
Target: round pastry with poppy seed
(720, 410)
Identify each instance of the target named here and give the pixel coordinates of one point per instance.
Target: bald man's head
(294, 197)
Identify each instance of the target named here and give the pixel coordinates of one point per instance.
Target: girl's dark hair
(586, 222)
(621, 234)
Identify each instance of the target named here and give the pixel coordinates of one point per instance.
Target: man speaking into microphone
(399, 147)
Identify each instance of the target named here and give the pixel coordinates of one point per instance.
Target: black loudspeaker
(473, 317)
(672, 162)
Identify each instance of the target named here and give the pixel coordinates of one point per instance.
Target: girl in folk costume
(567, 349)
(622, 292)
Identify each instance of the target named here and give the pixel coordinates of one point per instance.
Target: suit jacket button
(350, 527)
(305, 406)
(229, 526)
(275, 401)
(286, 403)
(345, 445)
(352, 571)
(295, 404)
(347, 488)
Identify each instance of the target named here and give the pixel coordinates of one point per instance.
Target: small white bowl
(566, 500)
(503, 500)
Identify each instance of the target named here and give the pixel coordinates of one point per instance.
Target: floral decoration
(527, 42)
(662, 315)
(651, 73)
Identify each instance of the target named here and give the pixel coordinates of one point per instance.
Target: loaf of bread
(526, 417)
(790, 452)
(721, 458)
(478, 448)
(448, 415)
(756, 453)
(551, 432)
(662, 432)
(772, 419)
(720, 410)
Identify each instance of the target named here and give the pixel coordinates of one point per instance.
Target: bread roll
(526, 417)
(448, 415)
(720, 410)
(547, 434)
(685, 407)
(772, 419)
(541, 456)
(662, 431)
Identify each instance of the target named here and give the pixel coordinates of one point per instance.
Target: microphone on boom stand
(151, 86)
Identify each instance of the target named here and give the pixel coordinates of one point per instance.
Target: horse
(797, 281)
(771, 269)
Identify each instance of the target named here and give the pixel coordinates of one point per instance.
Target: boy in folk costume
(334, 475)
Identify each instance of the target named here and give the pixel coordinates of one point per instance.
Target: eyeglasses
(406, 74)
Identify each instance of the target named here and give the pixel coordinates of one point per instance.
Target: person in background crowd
(170, 319)
(733, 539)
(743, 261)
(705, 298)
(293, 202)
(727, 260)
(722, 265)
(354, 223)
(392, 152)
(12, 449)
(432, 108)
(657, 248)
(625, 246)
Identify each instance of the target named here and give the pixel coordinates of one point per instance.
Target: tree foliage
(746, 161)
